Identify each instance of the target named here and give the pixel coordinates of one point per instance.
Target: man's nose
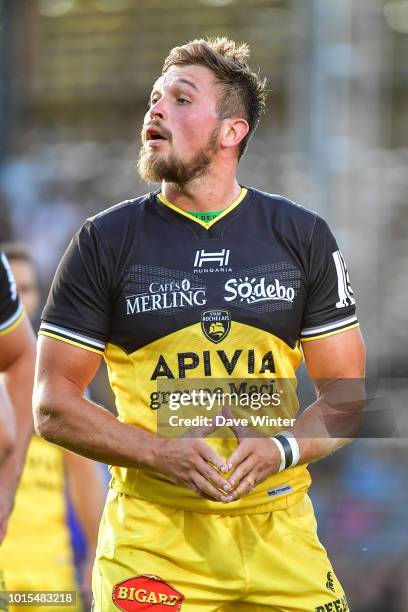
(158, 110)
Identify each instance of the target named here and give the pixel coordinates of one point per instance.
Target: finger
(239, 455)
(200, 493)
(209, 455)
(245, 487)
(242, 472)
(206, 451)
(246, 484)
(213, 476)
(204, 488)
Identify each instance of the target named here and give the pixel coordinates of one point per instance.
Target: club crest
(215, 324)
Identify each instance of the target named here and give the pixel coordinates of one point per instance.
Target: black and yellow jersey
(165, 296)
(11, 309)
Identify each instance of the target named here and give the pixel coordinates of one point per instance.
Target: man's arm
(7, 426)
(17, 356)
(87, 490)
(63, 416)
(336, 365)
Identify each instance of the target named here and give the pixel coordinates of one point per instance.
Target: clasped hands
(195, 464)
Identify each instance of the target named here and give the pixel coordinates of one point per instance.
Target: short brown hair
(16, 251)
(244, 92)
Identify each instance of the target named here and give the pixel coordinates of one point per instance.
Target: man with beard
(222, 523)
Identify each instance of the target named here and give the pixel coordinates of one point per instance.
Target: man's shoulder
(286, 216)
(120, 211)
(112, 225)
(284, 206)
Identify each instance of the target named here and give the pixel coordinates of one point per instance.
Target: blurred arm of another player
(336, 365)
(87, 490)
(17, 357)
(63, 416)
(7, 426)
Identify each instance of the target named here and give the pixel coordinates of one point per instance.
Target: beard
(155, 168)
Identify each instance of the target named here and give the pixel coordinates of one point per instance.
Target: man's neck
(203, 194)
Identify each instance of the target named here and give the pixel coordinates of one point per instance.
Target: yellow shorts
(153, 557)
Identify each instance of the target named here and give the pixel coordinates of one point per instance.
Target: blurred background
(75, 76)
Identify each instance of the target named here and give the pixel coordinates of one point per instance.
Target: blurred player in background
(36, 554)
(192, 524)
(17, 357)
(7, 426)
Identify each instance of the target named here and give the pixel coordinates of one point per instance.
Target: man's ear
(233, 132)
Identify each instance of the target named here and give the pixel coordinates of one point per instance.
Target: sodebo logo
(253, 290)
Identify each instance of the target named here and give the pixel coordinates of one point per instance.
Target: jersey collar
(205, 224)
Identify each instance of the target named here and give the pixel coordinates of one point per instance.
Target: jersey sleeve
(11, 309)
(78, 309)
(330, 306)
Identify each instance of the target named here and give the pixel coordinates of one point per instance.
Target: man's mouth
(154, 135)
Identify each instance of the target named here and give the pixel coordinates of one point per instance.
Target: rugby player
(201, 279)
(45, 563)
(17, 357)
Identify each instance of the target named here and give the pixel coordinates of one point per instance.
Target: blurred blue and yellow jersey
(36, 552)
(37, 535)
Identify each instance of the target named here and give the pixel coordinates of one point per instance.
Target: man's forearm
(86, 428)
(332, 421)
(313, 439)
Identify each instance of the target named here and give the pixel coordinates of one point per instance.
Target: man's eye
(152, 102)
(182, 101)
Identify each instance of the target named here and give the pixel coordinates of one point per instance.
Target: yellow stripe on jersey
(206, 224)
(330, 333)
(13, 324)
(63, 339)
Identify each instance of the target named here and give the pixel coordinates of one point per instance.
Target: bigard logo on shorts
(146, 592)
(215, 324)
